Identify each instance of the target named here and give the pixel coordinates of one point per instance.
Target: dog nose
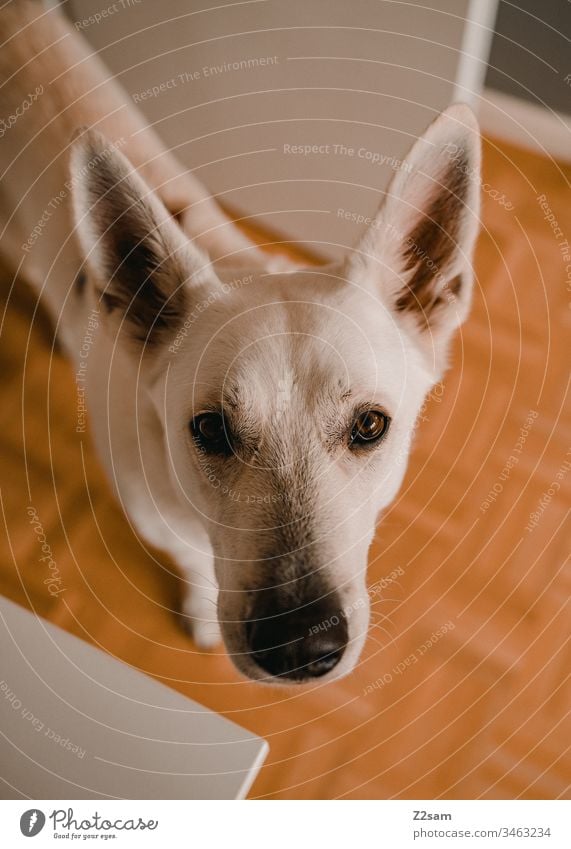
(297, 644)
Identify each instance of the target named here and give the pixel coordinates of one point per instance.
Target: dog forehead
(298, 335)
(313, 303)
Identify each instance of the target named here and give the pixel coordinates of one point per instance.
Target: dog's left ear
(419, 248)
(145, 269)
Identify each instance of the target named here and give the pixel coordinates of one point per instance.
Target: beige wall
(393, 67)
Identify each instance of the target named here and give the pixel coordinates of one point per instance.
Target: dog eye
(369, 427)
(212, 433)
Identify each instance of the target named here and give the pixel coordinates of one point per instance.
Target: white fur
(285, 349)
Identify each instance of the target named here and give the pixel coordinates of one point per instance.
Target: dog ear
(141, 261)
(420, 245)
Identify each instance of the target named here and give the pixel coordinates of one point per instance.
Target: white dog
(254, 423)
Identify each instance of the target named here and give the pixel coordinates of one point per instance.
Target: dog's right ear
(144, 266)
(418, 252)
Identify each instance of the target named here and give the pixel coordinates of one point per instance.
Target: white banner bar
(283, 825)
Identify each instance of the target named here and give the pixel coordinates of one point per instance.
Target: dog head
(287, 402)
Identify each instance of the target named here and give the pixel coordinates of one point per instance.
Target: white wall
(378, 74)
